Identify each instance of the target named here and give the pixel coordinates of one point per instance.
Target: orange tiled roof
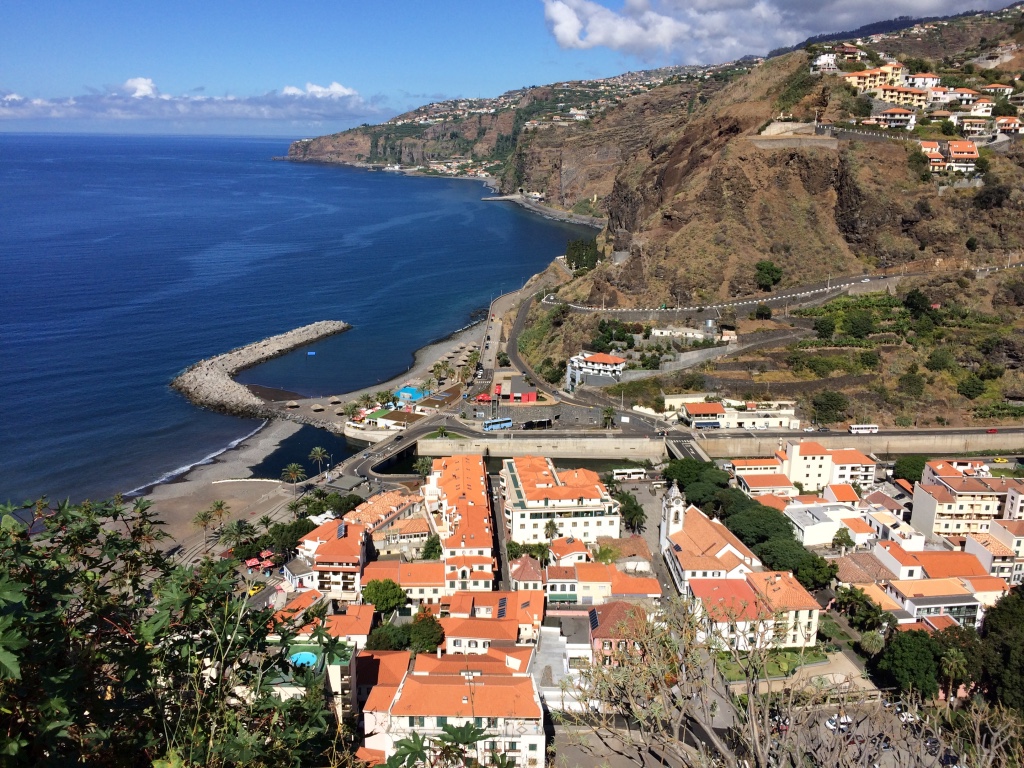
(941, 565)
(357, 620)
(455, 696)
(296, 606)
(604, 359)
(614, 619)
(701, 538)
(775, 502)
(495, 661)
(381, 667)
(844, 492)
(379, 508)
(568, 546)
(986, 584)
(856, 525)
(776, 480)
(728, 599)
(850, 456)
(703, 409)
(489, 629)
(781, 591)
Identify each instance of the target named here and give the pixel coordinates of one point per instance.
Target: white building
(598, 365)
(577, 501)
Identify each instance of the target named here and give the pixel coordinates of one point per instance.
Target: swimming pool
(303, 659)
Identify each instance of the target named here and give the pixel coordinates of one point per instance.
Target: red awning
(267, 564)
(252, 562)
(484, 398)
(267, 553)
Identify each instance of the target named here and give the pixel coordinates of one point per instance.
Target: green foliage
(1004, 108)
(104, 645)
(829, 406)
(389, 637)
(632, 513)
(759, 524)
(1002, 648)
(861, 611)
(612, 331)
(384, 595)
(767, 275)
(431, 548)
(842, 539)
(948, 128)
(910, 662)
(582, 254)
(763, 312)
(425, 633)
(971, 387)
(538, 551)
(909, 468)
(870, 359)
(918, 162)
(992, 195)
(423, 466)
(825, 327)
(788, 554)
(795, 88)
(941, 359)
(281, 539)
(859, 323)
(911, 384)
(971, 244)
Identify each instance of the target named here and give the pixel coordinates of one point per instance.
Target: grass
(449, 435)
(780, 664)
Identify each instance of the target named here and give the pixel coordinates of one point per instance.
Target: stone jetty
(209, 383)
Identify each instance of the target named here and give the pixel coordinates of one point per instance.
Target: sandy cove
(229, 477)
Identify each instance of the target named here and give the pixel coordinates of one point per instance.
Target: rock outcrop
(209, 383)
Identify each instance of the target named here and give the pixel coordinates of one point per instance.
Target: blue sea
(125, 259)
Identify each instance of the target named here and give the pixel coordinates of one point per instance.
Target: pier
(209, 383)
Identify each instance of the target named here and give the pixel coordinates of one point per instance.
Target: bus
(863, 429)
(493, 425)
(633, 473)
(537, 424)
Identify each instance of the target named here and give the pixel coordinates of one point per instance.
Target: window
(415, 722)
(492, 722)
(532, 747)
(421, 591)
(473, 643)
(442, 721)
(607, 645)
(456, 643)
(478, 722)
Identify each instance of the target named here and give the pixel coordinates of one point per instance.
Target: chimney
(465, 699)
(439, 651)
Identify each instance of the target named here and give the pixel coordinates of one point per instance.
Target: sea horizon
(132, 257)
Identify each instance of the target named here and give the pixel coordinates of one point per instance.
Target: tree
(384, 595)
(953, 665)
(767, 275)
(917, 303)
(608, 417)
(1004, 108)
(318, 456)
(825, 327)
(911, 384)
(909, 468)
(203, 518)
(423, 466)
(106, 649)
(264, 522)
(294, 474)
(971, 387)
(1002, 648)
(550, 530)
(941, 359)
(829, 406)
(759, 524)
(842, 539)
(910, 660)
(350, 409)
(388, 637)
(872, 642)
(763, 312)
(432, 548)
(219, 509)
(428, 385)
(236, 532)
(631, 512)
(425, 633)
(859, 323)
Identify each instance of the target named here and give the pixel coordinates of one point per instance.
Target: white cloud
(709, 31)
(140, 87)
(139, 98)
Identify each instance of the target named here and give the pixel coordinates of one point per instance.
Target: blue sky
(316, 67)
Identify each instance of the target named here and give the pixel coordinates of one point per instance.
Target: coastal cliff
(209, 383)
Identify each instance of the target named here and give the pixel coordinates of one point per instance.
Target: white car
(866, 280)
(839, 723)
(808, 429)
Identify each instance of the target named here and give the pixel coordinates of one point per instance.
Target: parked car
(824, 429)
(1000, 460)
(839, 723)
(256, 588)
(808, 429)
(992, 431)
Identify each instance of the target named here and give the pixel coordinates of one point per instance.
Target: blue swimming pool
(303, 659)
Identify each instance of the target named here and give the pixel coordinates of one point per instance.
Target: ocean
(124, 259)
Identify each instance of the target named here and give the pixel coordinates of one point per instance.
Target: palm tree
(872, 642)
(294, 474)
(203, 519)
(367, 401)
(428, 385)
(350, 409)
(265, 522)
(551, 530)
(954, 667)
(318, 456)
(295, 506)
(385, 397)
(424, 465)
(220, 510)
(608, 414)
(236, 532)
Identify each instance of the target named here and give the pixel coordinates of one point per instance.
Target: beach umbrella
(252, 562)
(317, 407)
(267, 553)
(291, 404)
(267, 564)
(335, 400)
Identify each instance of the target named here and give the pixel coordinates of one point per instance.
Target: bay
(125, 259)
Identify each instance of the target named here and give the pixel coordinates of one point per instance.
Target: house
(610, 625)
(695, 546)
(379, 668)
(916, 98)
(596, 584)
(525, 573)
(524, 607)
(971, 126)
(382, 509)
(794, 610)
(404, 537)
(766, 485)
(815, 524)
(598, 366)
(397, 419)
(352, 624)
(423, 581)
(812, 466)
(924, 80)
(1009, 125)
(965, 96)
(733, 414)
(331, 558)
(506, 707)
(849, 52)
(928, 564)
(703, 415)
(568, 551)
(922, 598)
(890, 527)
(729, 614)
(994, 555)
(859, 530)
(982, 107)
(998, 90)
(850, 466)
(577, 501)
(950, 506)
(824, 62)
(771, 466)
(897, 117)
(1011, 534)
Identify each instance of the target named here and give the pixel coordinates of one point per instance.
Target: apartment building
(955, 505)
(795, 612)
(577, 501)
(331, 558)
(584, 366)
(1011, 534)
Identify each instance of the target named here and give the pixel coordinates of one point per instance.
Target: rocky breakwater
(209, 383)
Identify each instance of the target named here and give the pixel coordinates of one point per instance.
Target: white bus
(863, 429)
(634, 473)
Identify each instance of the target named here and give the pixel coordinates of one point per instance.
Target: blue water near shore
(126, 259)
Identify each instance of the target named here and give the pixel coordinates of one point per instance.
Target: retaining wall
(518, 444)
(931, 442)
